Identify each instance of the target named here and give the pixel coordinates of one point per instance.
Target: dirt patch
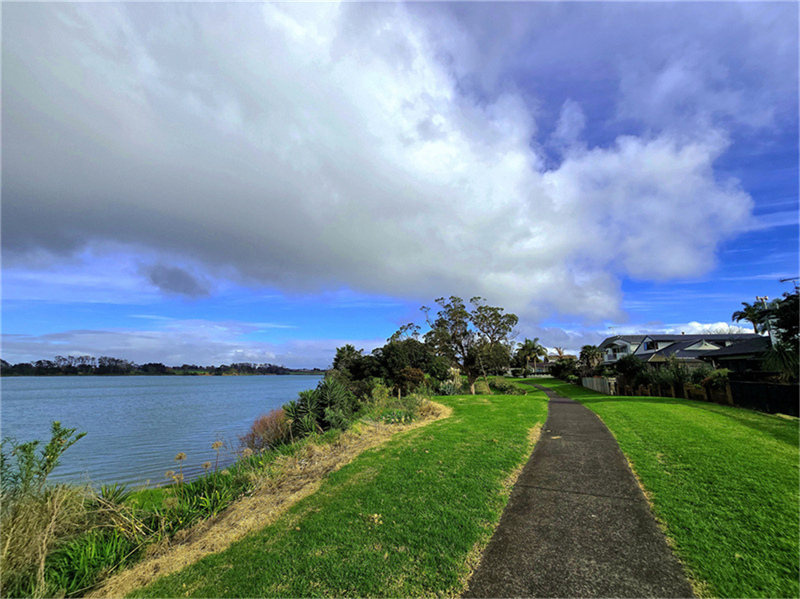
(294, 478)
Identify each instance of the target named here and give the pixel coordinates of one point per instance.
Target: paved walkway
(577, 524)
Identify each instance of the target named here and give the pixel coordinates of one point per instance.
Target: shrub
(34, 517)
(447, 388)
(700, 374)
(482, 388)
(82, 562)
(506, 387)
(716, 379)
(268, 431)
(330, 405)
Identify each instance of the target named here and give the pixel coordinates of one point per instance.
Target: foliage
(83, 561)
(564, 368)
(34, 516)
(753, 314)
(482, 388)
(785, 321)
(23, 471)
(468, 339)
(107, 365)
(782, 359)
(701, 373)
(629, 366)
(529, 350)
(590, 358)
(268, 431)
(403, 520)
(716, 379)
(330, 405)
(505, 387)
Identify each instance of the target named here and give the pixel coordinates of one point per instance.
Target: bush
(506, 387)
(447, 388)
(330, 405)
(716, 379)
(268, 431)
(34, 517)
(482, 388)
(84, 561)
(563, 369)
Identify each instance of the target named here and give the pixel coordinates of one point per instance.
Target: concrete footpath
(577, 523)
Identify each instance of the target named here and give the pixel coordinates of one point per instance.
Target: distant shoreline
(298, 372)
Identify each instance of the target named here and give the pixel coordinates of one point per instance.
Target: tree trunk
(471, 380)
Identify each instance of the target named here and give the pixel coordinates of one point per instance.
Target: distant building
(544, 364)
(689, 349)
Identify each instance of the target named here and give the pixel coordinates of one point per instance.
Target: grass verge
(722, 481)
(407, 519)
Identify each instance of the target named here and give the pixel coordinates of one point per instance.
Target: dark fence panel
(767, 397)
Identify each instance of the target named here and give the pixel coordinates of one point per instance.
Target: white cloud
(313, 146)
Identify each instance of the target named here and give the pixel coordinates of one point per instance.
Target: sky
(209, 183)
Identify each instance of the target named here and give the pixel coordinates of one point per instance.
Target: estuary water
(136, 425)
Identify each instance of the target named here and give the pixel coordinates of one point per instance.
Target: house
(655, 349)
(543, 365)
(619, 346)
(688, 349)
(739, 357)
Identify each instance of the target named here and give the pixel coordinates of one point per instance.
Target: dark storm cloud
(175, 280)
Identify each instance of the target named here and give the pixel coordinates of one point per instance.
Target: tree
(785, 317)
(753, 314)
(529, 350)
(468, 338)
(784, 355)
(591, 356)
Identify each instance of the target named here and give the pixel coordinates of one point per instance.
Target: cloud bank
(310, 146)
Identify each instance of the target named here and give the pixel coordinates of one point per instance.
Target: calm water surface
(136, 425)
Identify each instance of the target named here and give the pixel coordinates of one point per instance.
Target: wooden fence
(771, 398)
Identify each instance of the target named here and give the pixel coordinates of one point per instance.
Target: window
(651, 345)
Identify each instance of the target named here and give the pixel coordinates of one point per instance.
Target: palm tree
(753, 314)
(531, 349)
(559, 351)
(591, 356)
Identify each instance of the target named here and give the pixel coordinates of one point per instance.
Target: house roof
(742, 348)
(679, 350)
(628, 338)
(707, 337)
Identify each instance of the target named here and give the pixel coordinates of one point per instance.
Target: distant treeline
(89, 365)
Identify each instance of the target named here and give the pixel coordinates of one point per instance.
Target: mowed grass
(404, 520)
(724, 481)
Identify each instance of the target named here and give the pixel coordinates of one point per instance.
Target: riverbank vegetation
(723, 481)
(63, 539)
(409, 518)
(108, 366)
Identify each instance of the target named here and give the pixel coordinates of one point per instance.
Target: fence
(767, 397)
(604, 386)
(764, 397)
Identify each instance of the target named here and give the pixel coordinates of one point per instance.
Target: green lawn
(405, 519)
(724, 481)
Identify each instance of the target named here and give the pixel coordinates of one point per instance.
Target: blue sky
(208, 183)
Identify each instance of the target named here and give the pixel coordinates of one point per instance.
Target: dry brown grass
(31, 526)
(292, 478)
